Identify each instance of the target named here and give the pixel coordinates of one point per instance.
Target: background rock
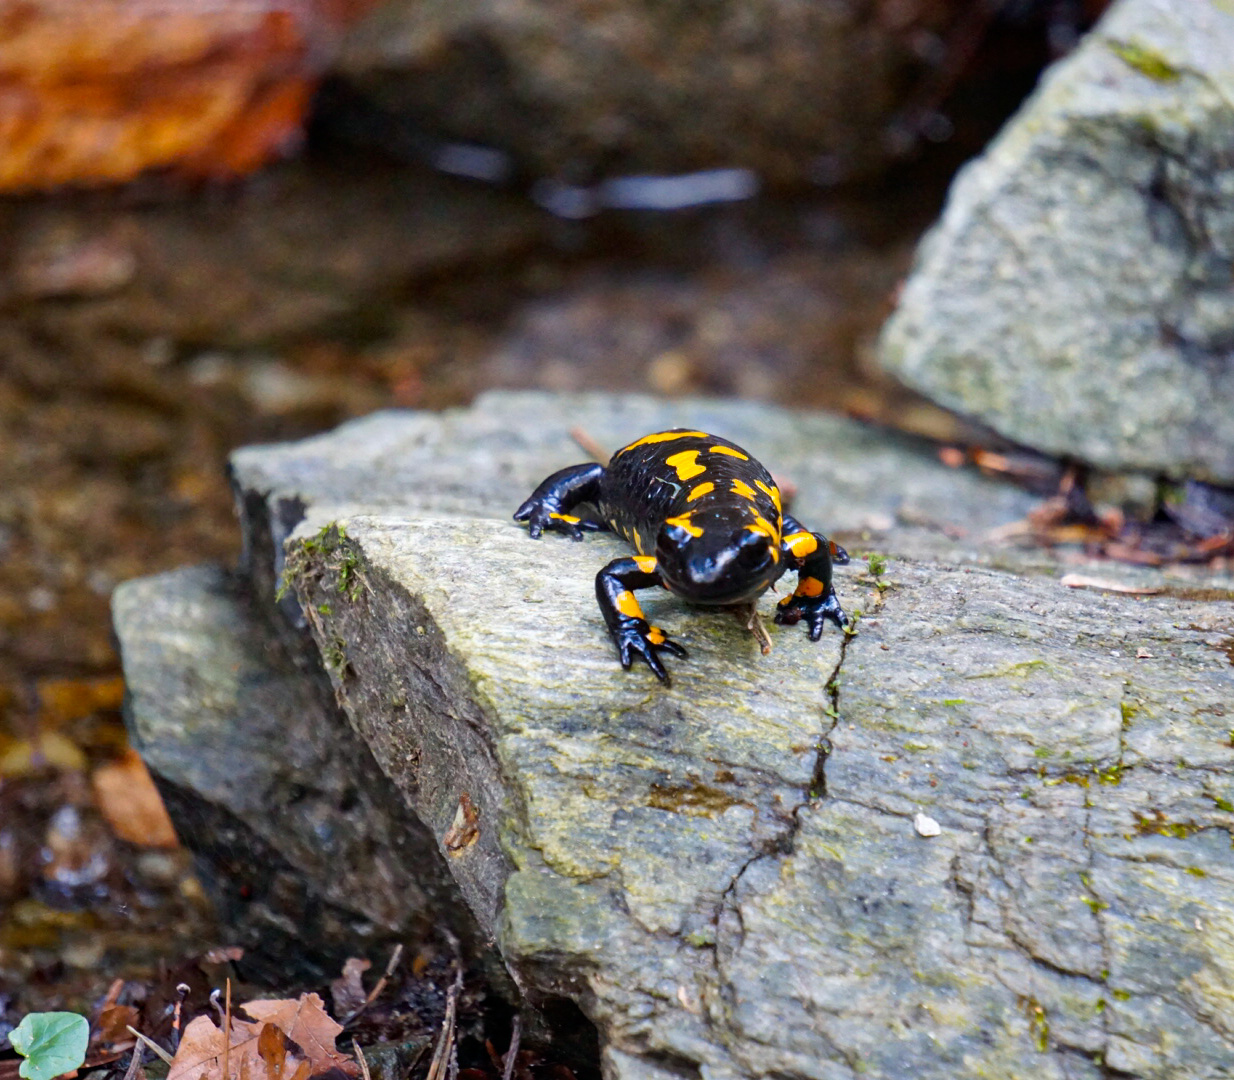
(725, 875)
(573, 90)
(1078, 294)
(97, 92)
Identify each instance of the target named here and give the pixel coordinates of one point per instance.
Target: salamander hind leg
(632, 633)
(549, 506)
(815, 598)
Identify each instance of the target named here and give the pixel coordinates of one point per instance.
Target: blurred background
(232, 221)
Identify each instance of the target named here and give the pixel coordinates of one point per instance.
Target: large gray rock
(574, 90)
(302, 842)
(1077, 294)
(726, 874)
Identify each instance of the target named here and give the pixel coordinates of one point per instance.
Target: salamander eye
(753, 550)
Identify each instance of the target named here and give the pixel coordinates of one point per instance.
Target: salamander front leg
(815, 598)
(631, 632)
(550, 504)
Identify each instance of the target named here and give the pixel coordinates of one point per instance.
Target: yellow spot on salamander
(646, 563)
(699, 490)
(683, 522)
(809, 586)
(664, 436)
(686, 464)
(628, 606)
(656, 636)
(566, 517)
(774, 492)
(638, 542)
(801, 544)
(762, 525)
(729, 451)
(740, 487)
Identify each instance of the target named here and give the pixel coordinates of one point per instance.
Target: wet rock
(304, 845)
(726, 874)
(97, 92)
(1077, 293)
(793, 92)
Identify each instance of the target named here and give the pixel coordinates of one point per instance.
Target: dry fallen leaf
(200, 1054)
(347, 992)
(309, 1026)
(131, 803)
(259, 1049)
(112, 1027)
(465, 829)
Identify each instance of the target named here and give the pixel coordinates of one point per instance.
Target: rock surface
(573, 90)
(97, 92)
(303, 841)
(726, 875)
(1077, 294)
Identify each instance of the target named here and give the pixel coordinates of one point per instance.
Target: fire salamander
(706, 520)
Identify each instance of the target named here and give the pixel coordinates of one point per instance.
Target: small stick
(131, 1072)
(445, 1041)
(748, 614)
(227, 1033)
(445, 1054)
(364, 1073)
(113, 995)
(586, 442)
(149, 1043)
(379, 986)
(182, 990)
(512, 1054)
(756, 627)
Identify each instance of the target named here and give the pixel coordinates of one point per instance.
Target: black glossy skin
(705, 519)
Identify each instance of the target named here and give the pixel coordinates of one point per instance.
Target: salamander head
(725, 555)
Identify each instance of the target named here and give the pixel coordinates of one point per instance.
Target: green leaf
(52, 1043)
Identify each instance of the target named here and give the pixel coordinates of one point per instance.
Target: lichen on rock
(725, 874)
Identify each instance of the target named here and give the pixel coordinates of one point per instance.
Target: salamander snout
(716, 567)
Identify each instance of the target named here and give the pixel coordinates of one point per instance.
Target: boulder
(988, 835)
(301, 841)
(574, 91)
(1077, 294)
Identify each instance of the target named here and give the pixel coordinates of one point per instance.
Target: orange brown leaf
(131, 803)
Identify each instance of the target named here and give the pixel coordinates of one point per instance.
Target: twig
(756, 627)
(227, 1033)
(1081, 581)
(182, 990)
(379, 986)
(131, 1072)
(445, 1041)
(113, 995)
(364, 1073)
(512, 1054)
(445, 1060)
(748, 615)
(149, 1043)
(586, 442)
